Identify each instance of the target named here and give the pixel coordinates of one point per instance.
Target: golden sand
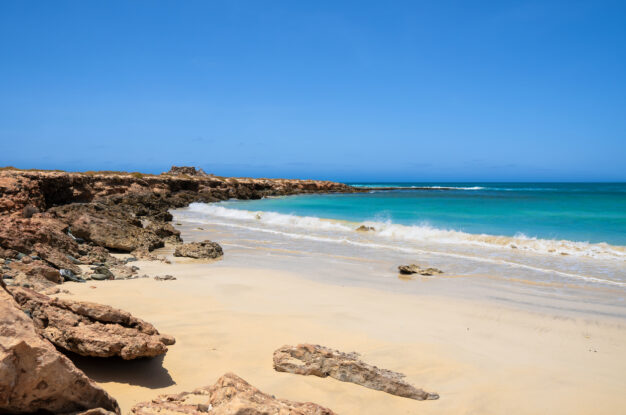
(482, 358)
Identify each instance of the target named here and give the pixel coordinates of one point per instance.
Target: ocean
(556, 236)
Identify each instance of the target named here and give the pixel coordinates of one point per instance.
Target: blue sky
(345, 90)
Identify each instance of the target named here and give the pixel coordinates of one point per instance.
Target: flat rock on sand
(229, 395)
(35, 376)
(308, 359)
(91, 329)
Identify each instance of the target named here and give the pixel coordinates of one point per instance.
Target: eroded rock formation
(34, 376)
(91, 329)
(204, 249)
(308, 359)
(67, 219)
(228, 396)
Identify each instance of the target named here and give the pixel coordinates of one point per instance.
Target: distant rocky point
(186, 170)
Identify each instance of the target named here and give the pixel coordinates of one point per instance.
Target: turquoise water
(580, 212)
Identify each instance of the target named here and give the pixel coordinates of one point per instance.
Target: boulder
(90, 329)
(308, 359)
(204, 249)
(364, 228)
(416, 269)
(230, 395)
(35, 376)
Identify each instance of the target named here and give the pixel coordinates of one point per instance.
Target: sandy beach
(481, 357)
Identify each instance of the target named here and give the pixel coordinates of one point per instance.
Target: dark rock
(68, 275)
(103, 270)
(416, 269)
(364, 228)
(29, 211)
(165, 278)
(185, 170)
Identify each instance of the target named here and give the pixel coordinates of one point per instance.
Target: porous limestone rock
(34, 376)
(308, 359)
(91, 329)
(230, 395)
(204, 249)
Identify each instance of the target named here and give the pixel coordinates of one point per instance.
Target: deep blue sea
(579, 212)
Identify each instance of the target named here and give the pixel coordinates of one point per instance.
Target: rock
(35, 376)
(165, 278)
(204, 249)
(112, 227)
(416, 269)
(44, 236)
(74, 260)
(307, 359)
(103, 270)
(185, 170)
(90, 329)
(29, 211)
(364, 228)
(99, 277)
(68, 275)
(230, 395)
(165, 231)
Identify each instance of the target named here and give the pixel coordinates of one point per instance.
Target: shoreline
(478, 356)
(485, 342)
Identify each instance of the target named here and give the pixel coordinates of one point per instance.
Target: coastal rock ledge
(229, 395)
(34, 376)
(91, 329)
(308, 359)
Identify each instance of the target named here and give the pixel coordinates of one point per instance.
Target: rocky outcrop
(364, 228)
(144, 194)
(111, 227)
(90, 329)
(416, 269)
(67, 219)
(34, 376)
(307, 359)
(204, 249)
(230, 395)
(185, 170)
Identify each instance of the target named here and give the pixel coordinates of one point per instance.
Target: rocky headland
(52, 222)
(59, 226)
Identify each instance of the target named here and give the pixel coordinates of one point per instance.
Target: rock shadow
(146, 372)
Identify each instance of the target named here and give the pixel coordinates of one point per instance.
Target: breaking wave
(416, 233)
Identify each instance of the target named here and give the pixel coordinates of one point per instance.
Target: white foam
(422, 233)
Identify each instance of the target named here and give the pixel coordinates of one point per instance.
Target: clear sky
(345, 90)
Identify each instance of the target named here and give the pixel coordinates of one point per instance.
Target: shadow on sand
(146, 372)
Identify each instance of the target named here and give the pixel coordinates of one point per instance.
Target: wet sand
(481, 357)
